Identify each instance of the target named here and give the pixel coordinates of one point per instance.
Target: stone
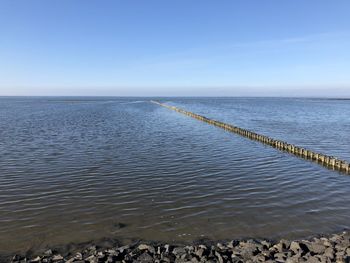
(167, 247)
(145, 258)
(203, 246)
(200, 252)
(285, 243)
(147, 247)
(316, 248)
(280, 255)
(329, 253)
(278, 247)
(37, 259)
(57, 257)
(235, 259)
(326, 242)
(78, 256)
(258, 258)
(294, 259)
(123, 248)
(179, 251)
(190, 248)
(265, 244)
(70, 260)
(298, 247)
(232, 244)
(92, 259)
(219, 257)
(248, 250)
(221, 246)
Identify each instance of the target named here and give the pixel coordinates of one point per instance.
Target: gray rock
(57, 258)
(78, 256)
(219, 257)
(200, 252)
(235, 259)
(221, 246)
(92, 248)
(190, 248)
(145, 258)
(278, 247)
(123, 248)
(280, 256)
(37, 259)
(285, 243)
(326, 242)
(70, 260)
(92, 259)
(178, 251)
(248, 250)
(151, 249)
(258, 258)
(298, 247)
(265, 244)
(203, 246)
(329, 253)
(167, 247)
(294, 259)
(166, 259)
(316, 248)
(232, 244)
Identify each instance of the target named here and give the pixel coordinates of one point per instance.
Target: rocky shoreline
(334, 248)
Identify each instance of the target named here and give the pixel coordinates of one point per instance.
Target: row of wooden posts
(325, 160)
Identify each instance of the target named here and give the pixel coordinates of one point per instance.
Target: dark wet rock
(332, 249)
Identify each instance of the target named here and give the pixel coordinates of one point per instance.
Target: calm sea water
(79, 169)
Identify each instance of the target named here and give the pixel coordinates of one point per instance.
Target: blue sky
(179, 47)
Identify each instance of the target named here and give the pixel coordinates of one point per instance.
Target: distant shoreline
(173, 97)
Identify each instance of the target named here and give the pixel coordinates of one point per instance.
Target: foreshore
(331, 248)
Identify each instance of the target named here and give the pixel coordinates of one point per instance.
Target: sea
(78, 169)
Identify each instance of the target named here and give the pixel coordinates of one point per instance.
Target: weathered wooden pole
(325, 160)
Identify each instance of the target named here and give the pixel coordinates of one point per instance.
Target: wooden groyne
(322, 159)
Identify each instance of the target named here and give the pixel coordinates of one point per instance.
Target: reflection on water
(76, 169)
